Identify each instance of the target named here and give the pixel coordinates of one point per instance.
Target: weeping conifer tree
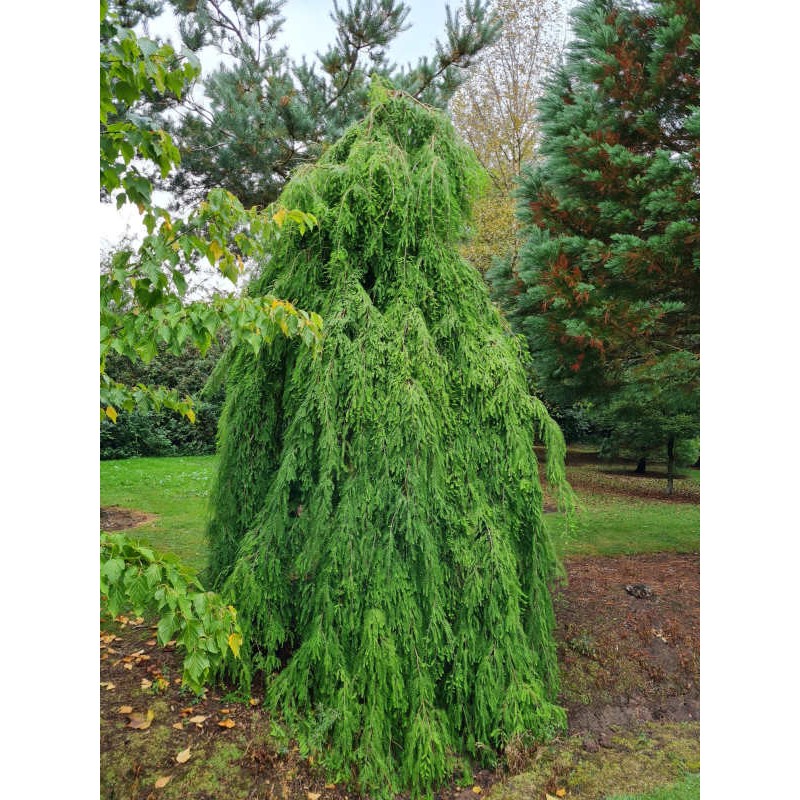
(377, 514)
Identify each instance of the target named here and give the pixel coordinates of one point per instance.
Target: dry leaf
(477, 789)
(330, 785)
(184, 755)
(151, 642)
(187, 710)
(146, 684)
(109, 686)
(162, 782)
(178, 726)
(226, 723)
(561, 792)
(125, 709)
(198, 720)
(313, 795)
(128, 666)
(254, 701)
(549, 796)
(141, 722)
(224, 711)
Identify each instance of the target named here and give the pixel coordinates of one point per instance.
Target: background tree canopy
(607, 289)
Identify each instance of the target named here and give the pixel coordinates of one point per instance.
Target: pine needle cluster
(377, 515)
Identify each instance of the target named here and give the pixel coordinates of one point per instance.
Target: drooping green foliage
(377, 515)
(607, 288)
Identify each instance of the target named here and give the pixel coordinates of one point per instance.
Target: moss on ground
(632, 762)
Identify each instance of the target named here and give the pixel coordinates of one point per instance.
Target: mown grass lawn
(177, 489)
(174, 489)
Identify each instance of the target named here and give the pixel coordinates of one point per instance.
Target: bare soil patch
(624, 659)
(116, 518)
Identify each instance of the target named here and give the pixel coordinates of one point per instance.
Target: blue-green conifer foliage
(377, 515)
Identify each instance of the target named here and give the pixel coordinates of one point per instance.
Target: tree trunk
(641, 466)
(670, 463)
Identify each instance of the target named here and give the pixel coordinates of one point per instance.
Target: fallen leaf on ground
(254, 701)
(178, 726)
(561, 792)
(128, 666)
(151, 642)
(330, 785)
(184, 755)
(108, 685)
(146, 684)
(125, 709)
(313, 795)
(226, 723)
(224, 711)
(187, 710)
(162, 782)
(198, 720)
(477, 789)
(141, 722)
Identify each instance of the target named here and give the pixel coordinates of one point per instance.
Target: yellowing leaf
(162, 782)
(561, 792)
(141, 722)
(280, 217)
(184, 755)
(111, 413)
(254, 701)
(190, 415)
(215, 251)
(125, 709)
(226, 723)
(477, 789)
(235, 642)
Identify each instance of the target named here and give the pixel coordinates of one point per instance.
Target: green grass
(176, 489)
(606, 525)
(686, 789)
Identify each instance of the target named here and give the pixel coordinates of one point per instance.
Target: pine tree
(607, 289)
(377, 514)
(263, 114)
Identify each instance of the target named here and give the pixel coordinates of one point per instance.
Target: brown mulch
(624, 661)
(116, 518)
